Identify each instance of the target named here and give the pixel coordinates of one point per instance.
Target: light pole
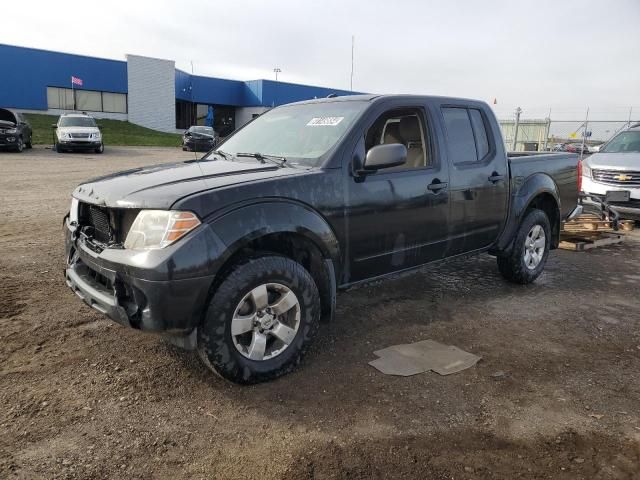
(276, 71)
(516, 125)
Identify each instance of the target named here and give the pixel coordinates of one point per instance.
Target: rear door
(478, 177)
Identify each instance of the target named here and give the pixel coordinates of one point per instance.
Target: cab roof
(376, 98)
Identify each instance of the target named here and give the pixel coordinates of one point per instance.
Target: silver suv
(614, 173)
(77, 131)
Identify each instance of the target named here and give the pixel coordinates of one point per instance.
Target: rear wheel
(530, 250)
(260, 321)
(29, 144)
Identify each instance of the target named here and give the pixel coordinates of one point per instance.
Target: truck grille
(105, 225)
(99, 220)
(79, 135)
(617, 177)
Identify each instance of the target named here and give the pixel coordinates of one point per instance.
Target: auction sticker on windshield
(324, 121)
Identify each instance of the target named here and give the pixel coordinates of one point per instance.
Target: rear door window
(461, 143)
(482, 140)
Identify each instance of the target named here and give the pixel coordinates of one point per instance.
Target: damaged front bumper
(137, 290)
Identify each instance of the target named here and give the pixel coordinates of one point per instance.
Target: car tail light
(579, 175)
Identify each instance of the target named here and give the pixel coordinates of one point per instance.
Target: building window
(114, 102)
(86, 100)
(61, 98)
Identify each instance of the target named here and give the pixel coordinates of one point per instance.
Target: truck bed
(561, 167)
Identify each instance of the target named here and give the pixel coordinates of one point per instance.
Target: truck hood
(614, 161)
(162, 185)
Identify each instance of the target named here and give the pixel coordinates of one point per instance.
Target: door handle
(495, 177)
(437, 186)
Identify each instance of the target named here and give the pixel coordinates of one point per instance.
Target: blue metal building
(143, 90)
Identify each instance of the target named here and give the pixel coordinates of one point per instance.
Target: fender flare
(525, 192)
(236, 228)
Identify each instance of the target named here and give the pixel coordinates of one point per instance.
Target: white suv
(614, 173)
(77, 131)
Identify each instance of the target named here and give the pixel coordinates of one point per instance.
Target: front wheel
(530, 250)
(19, 145)
(260, 321)
(100, 149)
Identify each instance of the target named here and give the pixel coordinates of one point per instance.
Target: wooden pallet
(587, 241)
(587, 223)
(627, 225)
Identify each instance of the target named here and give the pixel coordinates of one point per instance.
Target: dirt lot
(557, 394)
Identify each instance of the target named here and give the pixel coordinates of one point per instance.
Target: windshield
(623, 142)
(207, 130)
(76, 122)
(300, 133)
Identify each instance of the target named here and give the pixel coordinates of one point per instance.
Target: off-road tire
(512, 265)
(215, 343)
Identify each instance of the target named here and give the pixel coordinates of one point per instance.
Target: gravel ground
(556, 395)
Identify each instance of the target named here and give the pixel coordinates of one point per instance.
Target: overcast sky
(564, 55)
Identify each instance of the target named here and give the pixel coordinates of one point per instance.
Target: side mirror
(54, 125)
(385, 156)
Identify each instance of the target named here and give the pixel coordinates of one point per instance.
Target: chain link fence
(548, 134)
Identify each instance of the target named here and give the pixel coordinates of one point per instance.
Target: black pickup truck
(240, 254)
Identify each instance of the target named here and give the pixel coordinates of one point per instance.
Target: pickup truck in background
(240, 254)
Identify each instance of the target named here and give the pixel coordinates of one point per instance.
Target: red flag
(495, 101)
(76, 81)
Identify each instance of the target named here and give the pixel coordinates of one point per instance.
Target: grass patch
(114, 132)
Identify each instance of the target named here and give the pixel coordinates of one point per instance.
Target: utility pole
(353, 41)
(547, 130)
(515, 129)
(584, 133)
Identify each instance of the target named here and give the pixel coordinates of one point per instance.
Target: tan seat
(392, 133)
(410, 132)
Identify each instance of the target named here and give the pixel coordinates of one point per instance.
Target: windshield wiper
(280, 161)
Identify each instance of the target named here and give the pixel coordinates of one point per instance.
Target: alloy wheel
(534, 246)
(266, 321)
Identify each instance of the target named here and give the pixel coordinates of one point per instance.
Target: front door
(397, 218)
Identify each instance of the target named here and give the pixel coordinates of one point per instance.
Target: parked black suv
(240, 254)
(15, 130)
(198, 139)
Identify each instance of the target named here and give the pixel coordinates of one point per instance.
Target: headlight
(586, 171)
(154, 229)
(96, 136)
(73, 211)
(11, 130)
(63, 136)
